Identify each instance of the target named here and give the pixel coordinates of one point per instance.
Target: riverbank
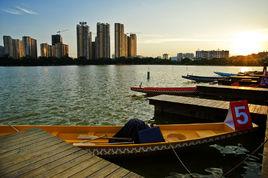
(250, 60)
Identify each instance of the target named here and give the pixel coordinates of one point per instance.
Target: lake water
(100, 95)
(82, 95)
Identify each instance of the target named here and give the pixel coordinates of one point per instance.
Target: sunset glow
(247, 42)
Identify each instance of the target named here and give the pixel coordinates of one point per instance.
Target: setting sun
(247, 42)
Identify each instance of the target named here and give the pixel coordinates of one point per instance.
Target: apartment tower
(119, 40)
(30, 46)
(46, 50)
(8, 45)
(132, 45)
(83, 40)
(102, 41)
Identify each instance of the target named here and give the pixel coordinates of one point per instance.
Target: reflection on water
(213, 173)
(230, 149)
(251, 167)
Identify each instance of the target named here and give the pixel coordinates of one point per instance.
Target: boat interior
(98, 135)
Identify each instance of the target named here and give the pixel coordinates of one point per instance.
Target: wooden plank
(68, 164)
(23, 137)
(46, 143)
(252, 108)
(93, 168)
(118, 173)
(253, 95)
(30, 155)
(132, 175)
(75, 169)
(105, 171)
(203, 102)
(48, 156)
(18, 134)
(199, 102)
(45, 168)
(34, 140)
(262, 110)
(27, 147)
(33, 164)
(190, 101)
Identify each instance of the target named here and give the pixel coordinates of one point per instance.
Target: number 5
(239, 113)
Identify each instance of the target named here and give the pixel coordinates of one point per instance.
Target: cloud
(27, 11)
(12, 11)
(18, 10)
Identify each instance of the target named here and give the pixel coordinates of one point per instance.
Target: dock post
(148, 75)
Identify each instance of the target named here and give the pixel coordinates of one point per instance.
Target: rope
(241, 162)
(184, 166)
(14, 128)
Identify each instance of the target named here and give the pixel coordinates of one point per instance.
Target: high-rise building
(102, 41)
(2, 51)
(125, 44)
(30, 46)
(65, 50)
(46, 50)
(181, 56)
(132, 45)
(119, 40)
(165, 56)
(93, 50)
(27, 45)
(8, 45)
(214, 54)
(21, 49)
(90, 47)
(83, 43)
(56, 39)
(18, 50)
(33, 48)
(13, 47)
(60, 50)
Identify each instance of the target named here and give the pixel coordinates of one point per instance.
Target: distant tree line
(250, 60)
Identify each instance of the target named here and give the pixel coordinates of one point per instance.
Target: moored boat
(175, 136)
(165, 90)
(225, 74)
(204, 79)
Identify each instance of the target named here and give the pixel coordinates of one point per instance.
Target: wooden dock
(253, 95)
(36, 153)
(198, 109)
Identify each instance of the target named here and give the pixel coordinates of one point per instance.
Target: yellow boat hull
(175, 135)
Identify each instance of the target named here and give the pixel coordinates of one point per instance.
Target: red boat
(165, 90)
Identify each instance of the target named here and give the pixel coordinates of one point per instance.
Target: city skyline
(162, 27)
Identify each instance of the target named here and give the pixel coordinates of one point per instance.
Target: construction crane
(133, 33)
(60, 31)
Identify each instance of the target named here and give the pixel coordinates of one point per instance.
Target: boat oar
(94, 137)
(83, 143)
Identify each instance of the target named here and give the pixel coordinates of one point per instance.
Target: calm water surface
(82, 95)
(101, 95)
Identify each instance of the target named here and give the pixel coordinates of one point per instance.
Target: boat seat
(205, 133)
(173, 137)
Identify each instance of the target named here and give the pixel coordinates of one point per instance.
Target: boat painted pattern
(123, 150)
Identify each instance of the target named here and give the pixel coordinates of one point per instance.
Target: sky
(162, 26)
